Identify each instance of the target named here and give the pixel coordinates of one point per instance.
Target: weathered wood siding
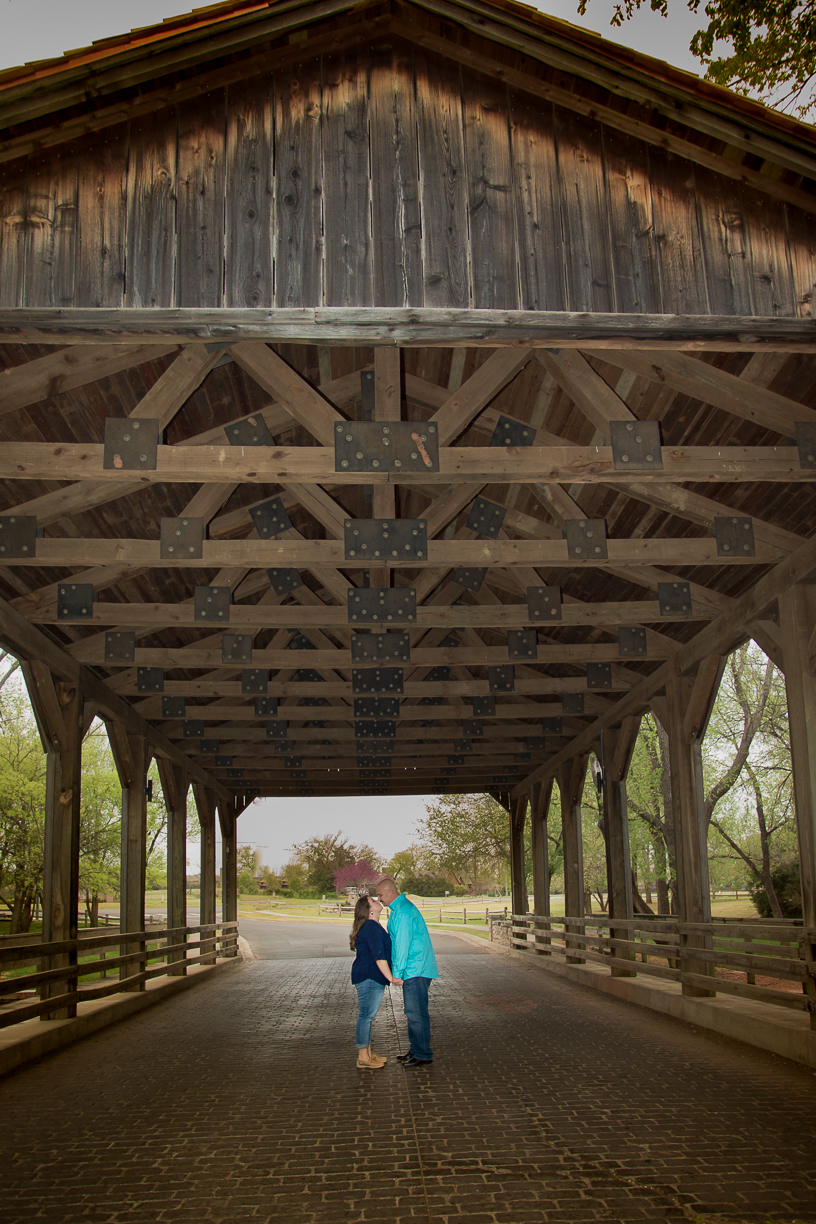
(388, 177)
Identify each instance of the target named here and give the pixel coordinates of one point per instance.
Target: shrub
(459, 890)
(426, 885)
(788, 887)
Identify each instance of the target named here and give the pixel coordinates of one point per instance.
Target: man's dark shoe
(410, 1061)
(404, 1057)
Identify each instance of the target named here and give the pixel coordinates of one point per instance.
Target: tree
(468, 836)
(100, 823)
(772, 46)
(22, 807)
(323, 856)
(362, 875)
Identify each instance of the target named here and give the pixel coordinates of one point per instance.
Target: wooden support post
(132, 759)
(228, 818)
(518, 881)
(618, 748)
(797, 615)
(570, 778)
(539, 811)
(58, 709)
(175, 783)
(205, 803)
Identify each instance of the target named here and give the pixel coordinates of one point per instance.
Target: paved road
(238, 1102)
(274, 939)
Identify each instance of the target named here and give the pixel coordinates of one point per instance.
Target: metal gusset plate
(501, 679)
(512, 433)
(372, 762)
(599, 675)
(734, 536)
(462, 745)
(472, 728)
(313, 701)
(75, 601)
(18, 535)
(450, 642)
(551, 726)
(806, 442)
(372, 788)
(674, 598)
(385, 539)
(536, 743)
(293, 762)
(471, 579)
(503, 780)
(254, 680)
(212, 603)
(300, 642)
(486, 518)
(376, 707)
(483, 707)
(235, 773)
(319, 724)
(376, 680)
(277, 728)
(236, 648)
(270, 518)
(284, 745)
(375, 605)
(131, 445)
(371, 774)
(382, 729)
(252, 431)
(266, 707)
(367, 395)
(586, 539)
(210, 747)
(308, 675)
(223, 762)
(382, 747)
(297, 775)
(448, 771)
(544, 603)
(150, 679)
(439, 674)
(120, 646)
(522, 758)
(284, 581)
(380, 446)
(522, 644)
(632, 642)
(636, 446)
(572, 703)
(455, 759)
(432, 701)
(193, 728)
(174, 707)
(181, 539)
(380, 648)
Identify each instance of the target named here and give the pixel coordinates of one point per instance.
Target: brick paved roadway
(239, 1101)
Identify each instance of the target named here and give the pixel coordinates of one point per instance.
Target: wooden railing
(58, 970)
(691, 953)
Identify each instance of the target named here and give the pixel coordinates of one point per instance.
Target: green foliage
(322, 857)
(787, 885)
(426, 886)
(247, 883)
(468, 836)
(22, 805)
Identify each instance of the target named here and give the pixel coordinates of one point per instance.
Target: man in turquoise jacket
(413, 960)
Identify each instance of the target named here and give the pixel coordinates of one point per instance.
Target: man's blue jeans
(415, 1003)
(369, 997)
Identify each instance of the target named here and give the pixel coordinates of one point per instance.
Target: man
(413, 960)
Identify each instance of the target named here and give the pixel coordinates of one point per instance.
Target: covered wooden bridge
(393, 396)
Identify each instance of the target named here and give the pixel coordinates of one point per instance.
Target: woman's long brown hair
(361, 915)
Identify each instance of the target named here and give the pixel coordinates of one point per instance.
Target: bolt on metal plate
(174, 707)
(432, 701)
(313, 701)
(384, 747)
(586, 539)
(18, 535)
(462, 745)
(283, 581)
(380, 648)
(131, 445)
(384, 729)
(509, 432)
(636, 446)
(483, 707)
(551, 726)
(536, 743)
(150, 679)
(448, 771)
(376, 680)
(455, 759)
(212, 603)
(223, 762)
(254, 680)
(376, 707)
(370, 762)
(252, 431)
(472, 728)
(377, 606)
(379, 446)
(522, 758)
(236, 648)
(182, 539)
(522, 644)
(385, 539)
(632, 642)
(266, 707)
(471, 578)
(120, 646)
(284, 745)
(674, 598)
(235, 773)
(270, 518)
(210, 747)
(501, 679)
(806, 443)
(438, 675)
(572, 703)
(193, 728)
(293, 762)
(734, 536)
(299, 642)
(599, 675)
(486, 518)
(75, 601)
(544, 603)
(308, 675)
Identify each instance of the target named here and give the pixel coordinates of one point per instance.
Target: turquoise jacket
(412, 953)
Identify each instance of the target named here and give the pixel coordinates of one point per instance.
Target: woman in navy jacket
(370, 974)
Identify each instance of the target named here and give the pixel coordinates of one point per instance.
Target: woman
(370, 973)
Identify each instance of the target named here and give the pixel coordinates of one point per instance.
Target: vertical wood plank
(722, 228)
(151, 209)
(101, 219)
(631, 225)
(51, 212)
(346, 180)
(677, 234)
(538, 211)
(585, 225)
(491, 211)
(249, 273)
(445, 248)
(12, 234)
(802, 246)
(298, 188)
(768, 257)
(397, 225)
(201, 201)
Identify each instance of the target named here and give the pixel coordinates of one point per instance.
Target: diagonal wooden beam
(484, 385)
(585, 387)
(70, 368)
(308, 407)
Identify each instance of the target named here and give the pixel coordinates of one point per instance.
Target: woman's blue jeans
(369, 997)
